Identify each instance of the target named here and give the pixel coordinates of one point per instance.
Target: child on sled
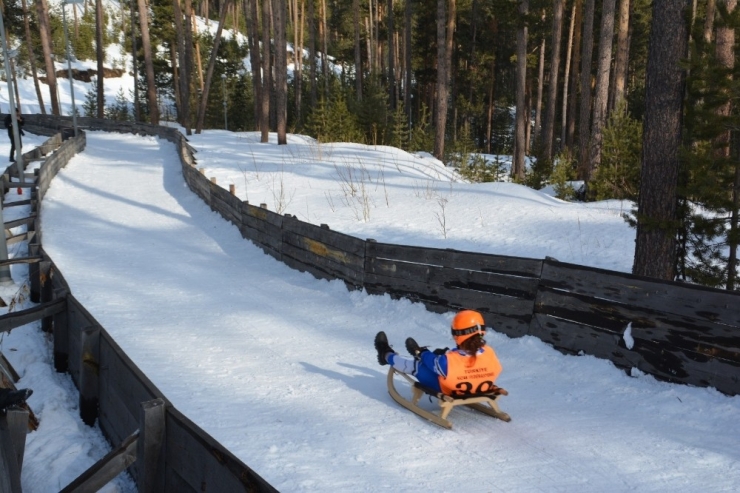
(469, 369)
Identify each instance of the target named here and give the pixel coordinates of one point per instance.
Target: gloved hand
(441, 351)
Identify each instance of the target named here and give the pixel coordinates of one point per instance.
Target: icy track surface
(279, 367)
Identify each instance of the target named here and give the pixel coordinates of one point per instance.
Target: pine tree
(90, 106)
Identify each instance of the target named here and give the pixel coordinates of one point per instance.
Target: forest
(632, 98)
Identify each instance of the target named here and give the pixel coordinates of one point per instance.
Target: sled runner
(485, 403)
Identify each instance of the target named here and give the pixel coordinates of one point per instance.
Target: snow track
(279, 367)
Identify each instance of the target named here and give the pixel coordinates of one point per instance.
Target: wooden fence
(161, 448)
(682, 333)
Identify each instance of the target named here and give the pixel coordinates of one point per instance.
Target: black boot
(413, 348)
(10, 397)
(382, 347)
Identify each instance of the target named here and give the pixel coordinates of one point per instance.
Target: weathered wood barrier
(682, 333)
(161, 448)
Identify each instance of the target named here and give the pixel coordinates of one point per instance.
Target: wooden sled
(484, 403)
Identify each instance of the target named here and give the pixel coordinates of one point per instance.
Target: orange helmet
(466, 324)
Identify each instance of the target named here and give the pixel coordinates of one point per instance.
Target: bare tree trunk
(312, 51)
(709, 20)
(552, 93)
(601, 94)
(252, 21)
(445, 22)
(655, 244)
(358, 50)
(211, 64)
(391, 59)
(198, 61)
(266, 73)
(570, 135)
(566, 79)
(726, 58)
(42, 9)
(32, 57)
(491, 106)
(298, 23)
(522, 119)
(281, 71)
(187, 67)
(623, 47)
(324, 49)
(584, 122)
(135, 65)
(148, 62)
(99, 26)
(540, 89)
(175, 64)
(407, 55)
(180, 39)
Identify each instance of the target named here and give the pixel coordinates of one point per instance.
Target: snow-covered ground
(279, 366)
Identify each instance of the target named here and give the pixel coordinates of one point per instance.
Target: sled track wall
(112, 389)
(682, 333)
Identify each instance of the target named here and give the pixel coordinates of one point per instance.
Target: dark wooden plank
(264, 227)
(264, 215)
(322, 234)
(150, 453)
(10, 321)
(10, 470)
(114, 415)
(17, 203)
(323, 254)
(271, 244)
(21, 260)
(203, 463)
(174, 483)
(453, 299)
(682, 299)
(683, 331)
(665, 362)
(20, 222)
(28, 236)
(103, 471)
(89, 370)
(521, 287)
(500, 264)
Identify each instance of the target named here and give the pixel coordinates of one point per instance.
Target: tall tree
(601, 93)
(251, 12)
(135, 65)
(211, 65)
(584, 121)
(522, 118)
(264, 119)
(445, 33)
(566, 77)
(391, 58)
(312, 52)
(32, 56)
(552, 93)
(622, 59)
(151, 91)
(100, 56)
(358, 49)
(725, 53)
(655, 244)
(42, 9)
(281, 71)
(570, 132)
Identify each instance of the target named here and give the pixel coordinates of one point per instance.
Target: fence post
(89, 368)
(150, 447)
(13, 429)
(61, 331)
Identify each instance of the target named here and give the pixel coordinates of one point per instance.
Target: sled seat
(484, 403)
